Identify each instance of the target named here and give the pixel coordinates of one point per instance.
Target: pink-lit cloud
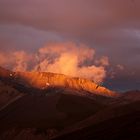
(66, 58)
(71, 59)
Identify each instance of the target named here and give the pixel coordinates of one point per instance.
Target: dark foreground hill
(43, 106)
(124, 125)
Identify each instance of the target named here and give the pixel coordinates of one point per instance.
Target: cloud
(66, 58)
(56, 49)
(21, 60)
(71, 59)
(120, 67)
(18, 37)
(97, 74)
(103, 61)
(17, 60)
(74, 16)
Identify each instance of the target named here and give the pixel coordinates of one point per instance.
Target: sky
(96, 39)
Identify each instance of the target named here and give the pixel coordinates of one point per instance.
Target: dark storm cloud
(72, 16)
(22, 37)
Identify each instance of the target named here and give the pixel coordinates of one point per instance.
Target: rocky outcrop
(45, 80)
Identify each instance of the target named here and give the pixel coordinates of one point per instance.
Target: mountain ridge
(46, 80)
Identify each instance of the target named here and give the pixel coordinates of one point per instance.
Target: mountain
(8, 94)
(125, 127)
(46, 80)
(131, 95)
(44, 106)
(113, 111)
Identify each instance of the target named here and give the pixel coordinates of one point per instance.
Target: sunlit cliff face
(43, 80)
(65, 58)
(46, 80)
